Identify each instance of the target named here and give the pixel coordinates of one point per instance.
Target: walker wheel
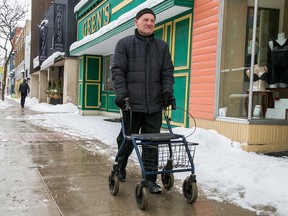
(167, 180)
(113, 183)
(190, 190)
(141, 196)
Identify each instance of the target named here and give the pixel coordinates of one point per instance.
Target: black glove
(119, 100)
(167, 99)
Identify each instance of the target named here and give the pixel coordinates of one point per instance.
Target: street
(49, 173)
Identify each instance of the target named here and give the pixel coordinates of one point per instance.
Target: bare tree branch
(11, 12)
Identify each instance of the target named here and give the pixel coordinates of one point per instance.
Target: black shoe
(122, 176)
(153, 187)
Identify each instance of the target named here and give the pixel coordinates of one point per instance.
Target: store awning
(51, 60)
(104, 41)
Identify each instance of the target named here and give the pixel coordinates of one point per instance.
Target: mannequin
(279, 65)
(249, 48)
(259, 77)
(281, 39)
(249, 53)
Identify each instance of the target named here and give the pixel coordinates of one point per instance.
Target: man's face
(145, 24)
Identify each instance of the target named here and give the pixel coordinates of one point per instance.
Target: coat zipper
(147, 72)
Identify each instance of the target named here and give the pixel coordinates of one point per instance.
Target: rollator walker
(175, 154)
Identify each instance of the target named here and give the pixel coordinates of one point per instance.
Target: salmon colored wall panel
(205, 32)
(203, 5)
(204, 50)
(202, 15)
(205, 21)
(202, 115)
(204, 43)
(203, 79)
(211, 34)
(204, 72)
(203, 86)
(207, 28)
(204, 58)
(204, 100)
(204, 2)
(198, 93)
(203, 64)
(202, 107)
(208, 94)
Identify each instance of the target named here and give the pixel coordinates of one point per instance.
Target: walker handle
(173, 103)
(127, 103)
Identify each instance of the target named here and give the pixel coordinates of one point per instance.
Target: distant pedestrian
(24, 90)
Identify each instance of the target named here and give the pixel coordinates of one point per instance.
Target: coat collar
(141, 37)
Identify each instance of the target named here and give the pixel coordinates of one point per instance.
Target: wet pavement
(48, 173)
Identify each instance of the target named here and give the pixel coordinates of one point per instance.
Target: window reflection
(108, 84)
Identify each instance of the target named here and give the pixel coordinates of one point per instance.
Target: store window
(269, 73)
(108, 84)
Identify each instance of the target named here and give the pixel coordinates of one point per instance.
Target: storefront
(55, 72)
(213, 45)
(240, 34)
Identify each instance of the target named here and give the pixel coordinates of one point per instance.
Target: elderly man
(143, 71)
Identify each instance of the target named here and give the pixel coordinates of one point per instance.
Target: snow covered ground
(224, 171)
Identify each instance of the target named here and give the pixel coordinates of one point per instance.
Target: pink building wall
(203, 68)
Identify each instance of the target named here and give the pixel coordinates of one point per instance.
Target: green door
(90, 68)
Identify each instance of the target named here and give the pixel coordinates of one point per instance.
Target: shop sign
(102, 14)
(43, 43)
(59, 23)
(96, 20)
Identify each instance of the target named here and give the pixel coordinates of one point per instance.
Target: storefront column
(42, 86)
(34, 85)
(71, 76)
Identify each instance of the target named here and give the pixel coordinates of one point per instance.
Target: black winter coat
(142, 69)
(24, 89)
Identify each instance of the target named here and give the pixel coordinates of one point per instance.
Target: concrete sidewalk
(22, 190)
(48, 173)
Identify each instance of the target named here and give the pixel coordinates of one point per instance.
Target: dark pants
(22, 101)
(141, 123)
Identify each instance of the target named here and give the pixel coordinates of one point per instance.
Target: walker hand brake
(127, 103)
(173, 103)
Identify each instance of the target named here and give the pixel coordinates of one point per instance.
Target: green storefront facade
(102, 23)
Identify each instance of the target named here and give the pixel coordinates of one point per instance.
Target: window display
(270, 65)
(259, 77)
(279, 62)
